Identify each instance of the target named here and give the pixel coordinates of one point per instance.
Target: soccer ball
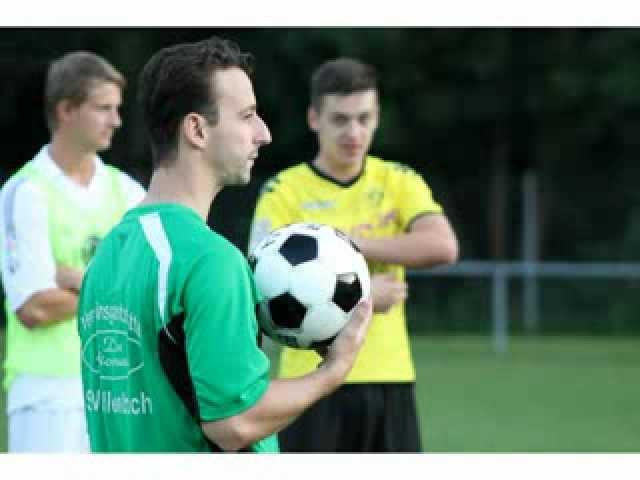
(311, 276)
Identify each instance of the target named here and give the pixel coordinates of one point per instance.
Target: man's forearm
(413, 249)
(48, 307)
(286, 399)
(283, 401)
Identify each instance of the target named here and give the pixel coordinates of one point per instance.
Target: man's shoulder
(175, 235)
(23, 181)
(120, 174)
(394, 176)
(290, 177)
(190, 236)
(178, 222)
(378, 165)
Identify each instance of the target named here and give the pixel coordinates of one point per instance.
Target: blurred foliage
(472, 109)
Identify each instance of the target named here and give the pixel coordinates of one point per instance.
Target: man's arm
(55, 304)
(429, 242)
(38, 290)
(47, 307)
(287, 398)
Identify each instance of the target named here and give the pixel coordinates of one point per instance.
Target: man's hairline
(322, 97)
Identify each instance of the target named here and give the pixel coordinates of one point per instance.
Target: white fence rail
(500, 272)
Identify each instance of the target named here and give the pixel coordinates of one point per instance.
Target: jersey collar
(335, 181)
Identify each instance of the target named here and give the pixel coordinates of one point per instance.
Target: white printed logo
(109, 354)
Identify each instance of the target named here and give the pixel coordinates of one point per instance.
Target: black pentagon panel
(286, 311)
(299, 248)
(348, 291)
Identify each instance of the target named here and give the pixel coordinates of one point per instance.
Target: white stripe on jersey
(10, 233)
(157, 238)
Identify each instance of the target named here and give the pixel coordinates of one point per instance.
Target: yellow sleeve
(414, 196)
(273, 210)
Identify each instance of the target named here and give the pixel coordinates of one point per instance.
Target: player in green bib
(170, 357)
(53, 212)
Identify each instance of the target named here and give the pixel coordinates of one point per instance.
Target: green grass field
(547, 395)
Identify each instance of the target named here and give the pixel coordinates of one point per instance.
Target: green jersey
(169, 335)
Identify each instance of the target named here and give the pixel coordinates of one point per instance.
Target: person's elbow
(450, 252)
(446, 252)
(231, 434)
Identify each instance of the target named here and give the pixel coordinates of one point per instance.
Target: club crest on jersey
(375, 196)
(89, 249)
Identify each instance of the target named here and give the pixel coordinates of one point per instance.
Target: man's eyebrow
(251, 108)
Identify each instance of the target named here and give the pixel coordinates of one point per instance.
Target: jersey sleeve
(414, 196)
(28, 265)
(273, 210)
(229, 372)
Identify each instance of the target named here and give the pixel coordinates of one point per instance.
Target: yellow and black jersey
(382, 201)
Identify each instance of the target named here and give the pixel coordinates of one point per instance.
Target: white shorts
(33, 430)
(46, 414)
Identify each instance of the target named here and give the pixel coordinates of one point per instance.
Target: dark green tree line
(472, 109)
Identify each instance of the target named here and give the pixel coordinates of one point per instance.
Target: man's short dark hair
(342, 76)
(71, 77)
(178, 80)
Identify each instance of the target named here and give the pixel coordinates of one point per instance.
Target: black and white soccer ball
(311, 277)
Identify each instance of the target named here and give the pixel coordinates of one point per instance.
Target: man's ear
(312, 118)
(193, 130)
(63, 110)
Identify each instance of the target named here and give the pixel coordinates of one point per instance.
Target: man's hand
(68, 278)
(342, 352)
(386, 291)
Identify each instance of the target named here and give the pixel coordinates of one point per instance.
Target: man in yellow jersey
(53, 213)
(390, 213)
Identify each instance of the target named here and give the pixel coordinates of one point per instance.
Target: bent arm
(38, 291)
(429, 242)
(47, 307)
(284, 400)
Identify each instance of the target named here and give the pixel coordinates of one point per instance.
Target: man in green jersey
(391, 214)
(170, 360)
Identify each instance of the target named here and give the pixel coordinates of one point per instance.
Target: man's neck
(183, 183)
(77, 164)
(341, 173)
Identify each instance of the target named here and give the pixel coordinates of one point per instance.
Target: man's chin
(103, 146)
(239, 181)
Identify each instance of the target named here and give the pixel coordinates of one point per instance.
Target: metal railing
(500, 272)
